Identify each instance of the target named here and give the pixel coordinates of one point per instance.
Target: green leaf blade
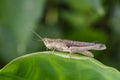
(57, 66)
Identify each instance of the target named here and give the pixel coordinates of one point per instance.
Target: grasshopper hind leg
(87, 53)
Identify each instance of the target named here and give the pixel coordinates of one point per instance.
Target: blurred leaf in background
(114, 22)
(17, 19)
(82, 20)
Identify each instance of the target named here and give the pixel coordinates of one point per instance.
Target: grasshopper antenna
(38, 35)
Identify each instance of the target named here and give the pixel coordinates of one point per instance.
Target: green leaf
(57, 66)
(17, 20)
(82, 12)
(115, 18)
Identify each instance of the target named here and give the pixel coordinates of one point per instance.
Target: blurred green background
(81, 20)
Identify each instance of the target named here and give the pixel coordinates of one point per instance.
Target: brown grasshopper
(72, 46)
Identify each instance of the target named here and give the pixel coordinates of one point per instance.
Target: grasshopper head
(48, 42)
